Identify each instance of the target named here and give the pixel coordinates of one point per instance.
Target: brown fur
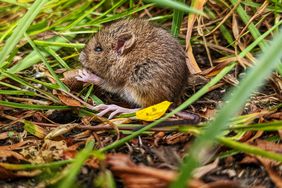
(140, 62)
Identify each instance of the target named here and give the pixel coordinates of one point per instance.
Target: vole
(137, 60)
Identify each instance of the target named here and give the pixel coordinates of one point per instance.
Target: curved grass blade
(23, 82)
(269, 126)
(236, 100)
(57, 57)
(176, 5)
(246, 148)
(245, 18)
(60, 83)
(84, 15)
(116, 5)
(21, 28)
(33, 57)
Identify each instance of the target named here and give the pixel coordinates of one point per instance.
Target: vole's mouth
(92, 71)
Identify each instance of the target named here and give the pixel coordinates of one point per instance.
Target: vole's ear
(124, 43)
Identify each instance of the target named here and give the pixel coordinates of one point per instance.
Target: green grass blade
(177, 20)
(260, 38)
(8, 32)
(252, 28)
(25, 5)
(85, 14)
(131, 3)
(246, 148)
(54, 164)
(33, 58)
(10, 85)
(58, 58)
(269, 126)
(121, 15)
(16, 92)
(24, 83)
(72, 15)
(176, 5)
(236, 100)
(21, 28)
(31, 106)
(225, 32)
(60, 44)
(116, 5)
(44, 83)
(52, 72)
(74, 169)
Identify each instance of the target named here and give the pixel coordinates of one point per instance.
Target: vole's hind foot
(113, 110)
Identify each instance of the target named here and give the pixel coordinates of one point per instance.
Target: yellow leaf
(34, 129)
(154, 112)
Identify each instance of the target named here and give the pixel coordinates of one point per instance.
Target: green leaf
(34, 129)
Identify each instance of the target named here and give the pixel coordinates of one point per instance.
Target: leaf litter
(29, 137)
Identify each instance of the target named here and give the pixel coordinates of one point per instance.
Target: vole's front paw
(86, 76)
(113, 110)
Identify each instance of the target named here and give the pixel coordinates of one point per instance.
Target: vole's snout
(82, 58)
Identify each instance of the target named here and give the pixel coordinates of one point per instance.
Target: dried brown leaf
(34, 129)
(277, 82)
(223, 184)
(4, 154)
(190, 60)
(4, 135)
(269, 146)
(236, 33)
(69, 101)
(17, 145)
(176, 138)
(201, 171)
(7, 174)
(60, 130)
(269, 166)
(142, 176)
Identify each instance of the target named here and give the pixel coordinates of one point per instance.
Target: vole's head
(104, 53)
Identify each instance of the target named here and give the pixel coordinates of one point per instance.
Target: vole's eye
(98, 49)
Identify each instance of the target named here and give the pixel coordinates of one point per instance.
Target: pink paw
(113, 109)
(86, 76)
